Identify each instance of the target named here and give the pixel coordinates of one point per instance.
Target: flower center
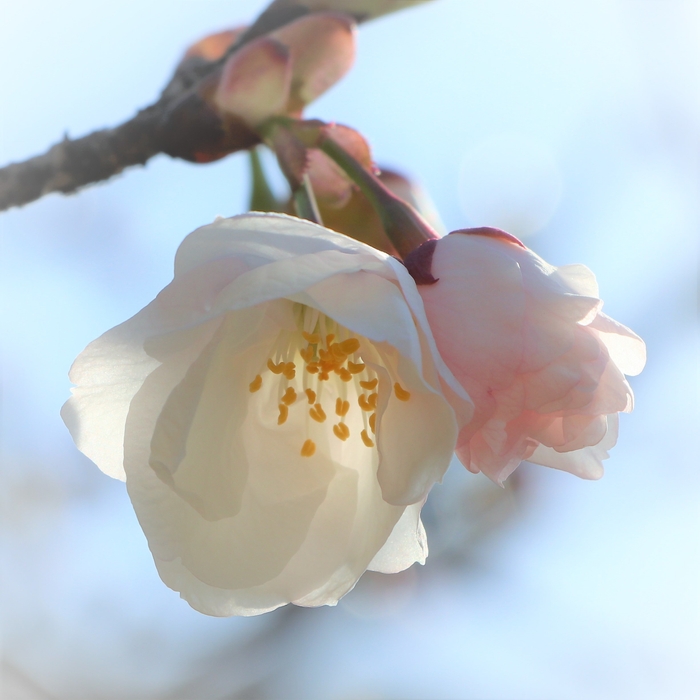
(319, 369)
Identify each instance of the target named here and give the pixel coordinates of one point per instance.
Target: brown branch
(179, 124)
(70, 164)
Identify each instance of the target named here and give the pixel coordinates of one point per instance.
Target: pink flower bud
(255, 81)
(332, 187)
(322, 48)
(213, 46)
(529, 344)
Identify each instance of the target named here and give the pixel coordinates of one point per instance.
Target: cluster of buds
(259, 93)
(273, 75)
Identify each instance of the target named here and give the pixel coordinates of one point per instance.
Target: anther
(373, 422)
(341, 431)
(323, 376)
(290, 396)
(372, 400)
(284, 412)
(341, 407)
(354, 368)
(289, 370)
(329, 338)
(275, 369)
(338, 353)
(311, 338)
(317, 413)
(366, 439)
(308, 448)
(344, 374)
(255, 384)
(370, 385)
(401, 393)
(311, 396)
(364, 403)
(312, 368)
(350, 346)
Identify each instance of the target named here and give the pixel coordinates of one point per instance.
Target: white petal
(110, 371)
(285, 278)
(258, 238)
(406, 545)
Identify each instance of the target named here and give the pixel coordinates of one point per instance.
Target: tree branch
(179, 124)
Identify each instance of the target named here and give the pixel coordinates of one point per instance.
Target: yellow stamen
(366, 439)
(344, 374)
(364, 404)
(255, 384)
(341, 431)
(289, 370)
(329, 338)
(370, 385)
(355, 368)
(350, 346)
(284, 412)
(275, 369)
(337, 353)
(372, 400)
(373, 422)
(312, 368)
(317, 413)
(323, 376)
(290, 396)
(311, 338)
(307, 354)
(311, 395)
(401, 393)
(308, 448)
(341, 407)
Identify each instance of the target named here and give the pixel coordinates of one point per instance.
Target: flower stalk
(262, 198)
(404, 226)
(305, 202)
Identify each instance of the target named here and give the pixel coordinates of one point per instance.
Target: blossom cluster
(282, 409)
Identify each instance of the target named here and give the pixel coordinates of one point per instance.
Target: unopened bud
(358, 219)
(255, 81)
(322, 48)
(213, 46)
(332, 187)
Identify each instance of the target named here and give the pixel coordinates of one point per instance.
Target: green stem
(305, 202)
(262, 197)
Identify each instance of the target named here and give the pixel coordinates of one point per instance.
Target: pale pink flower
(528, 342)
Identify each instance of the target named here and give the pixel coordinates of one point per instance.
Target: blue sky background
(577, 126)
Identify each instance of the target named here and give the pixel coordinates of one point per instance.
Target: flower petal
(586, 463)
(110, 371)
(406, 545)
(627, 350)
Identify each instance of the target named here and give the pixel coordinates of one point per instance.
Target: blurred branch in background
(179, 123)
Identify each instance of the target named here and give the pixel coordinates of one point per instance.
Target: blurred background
(574, 125)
